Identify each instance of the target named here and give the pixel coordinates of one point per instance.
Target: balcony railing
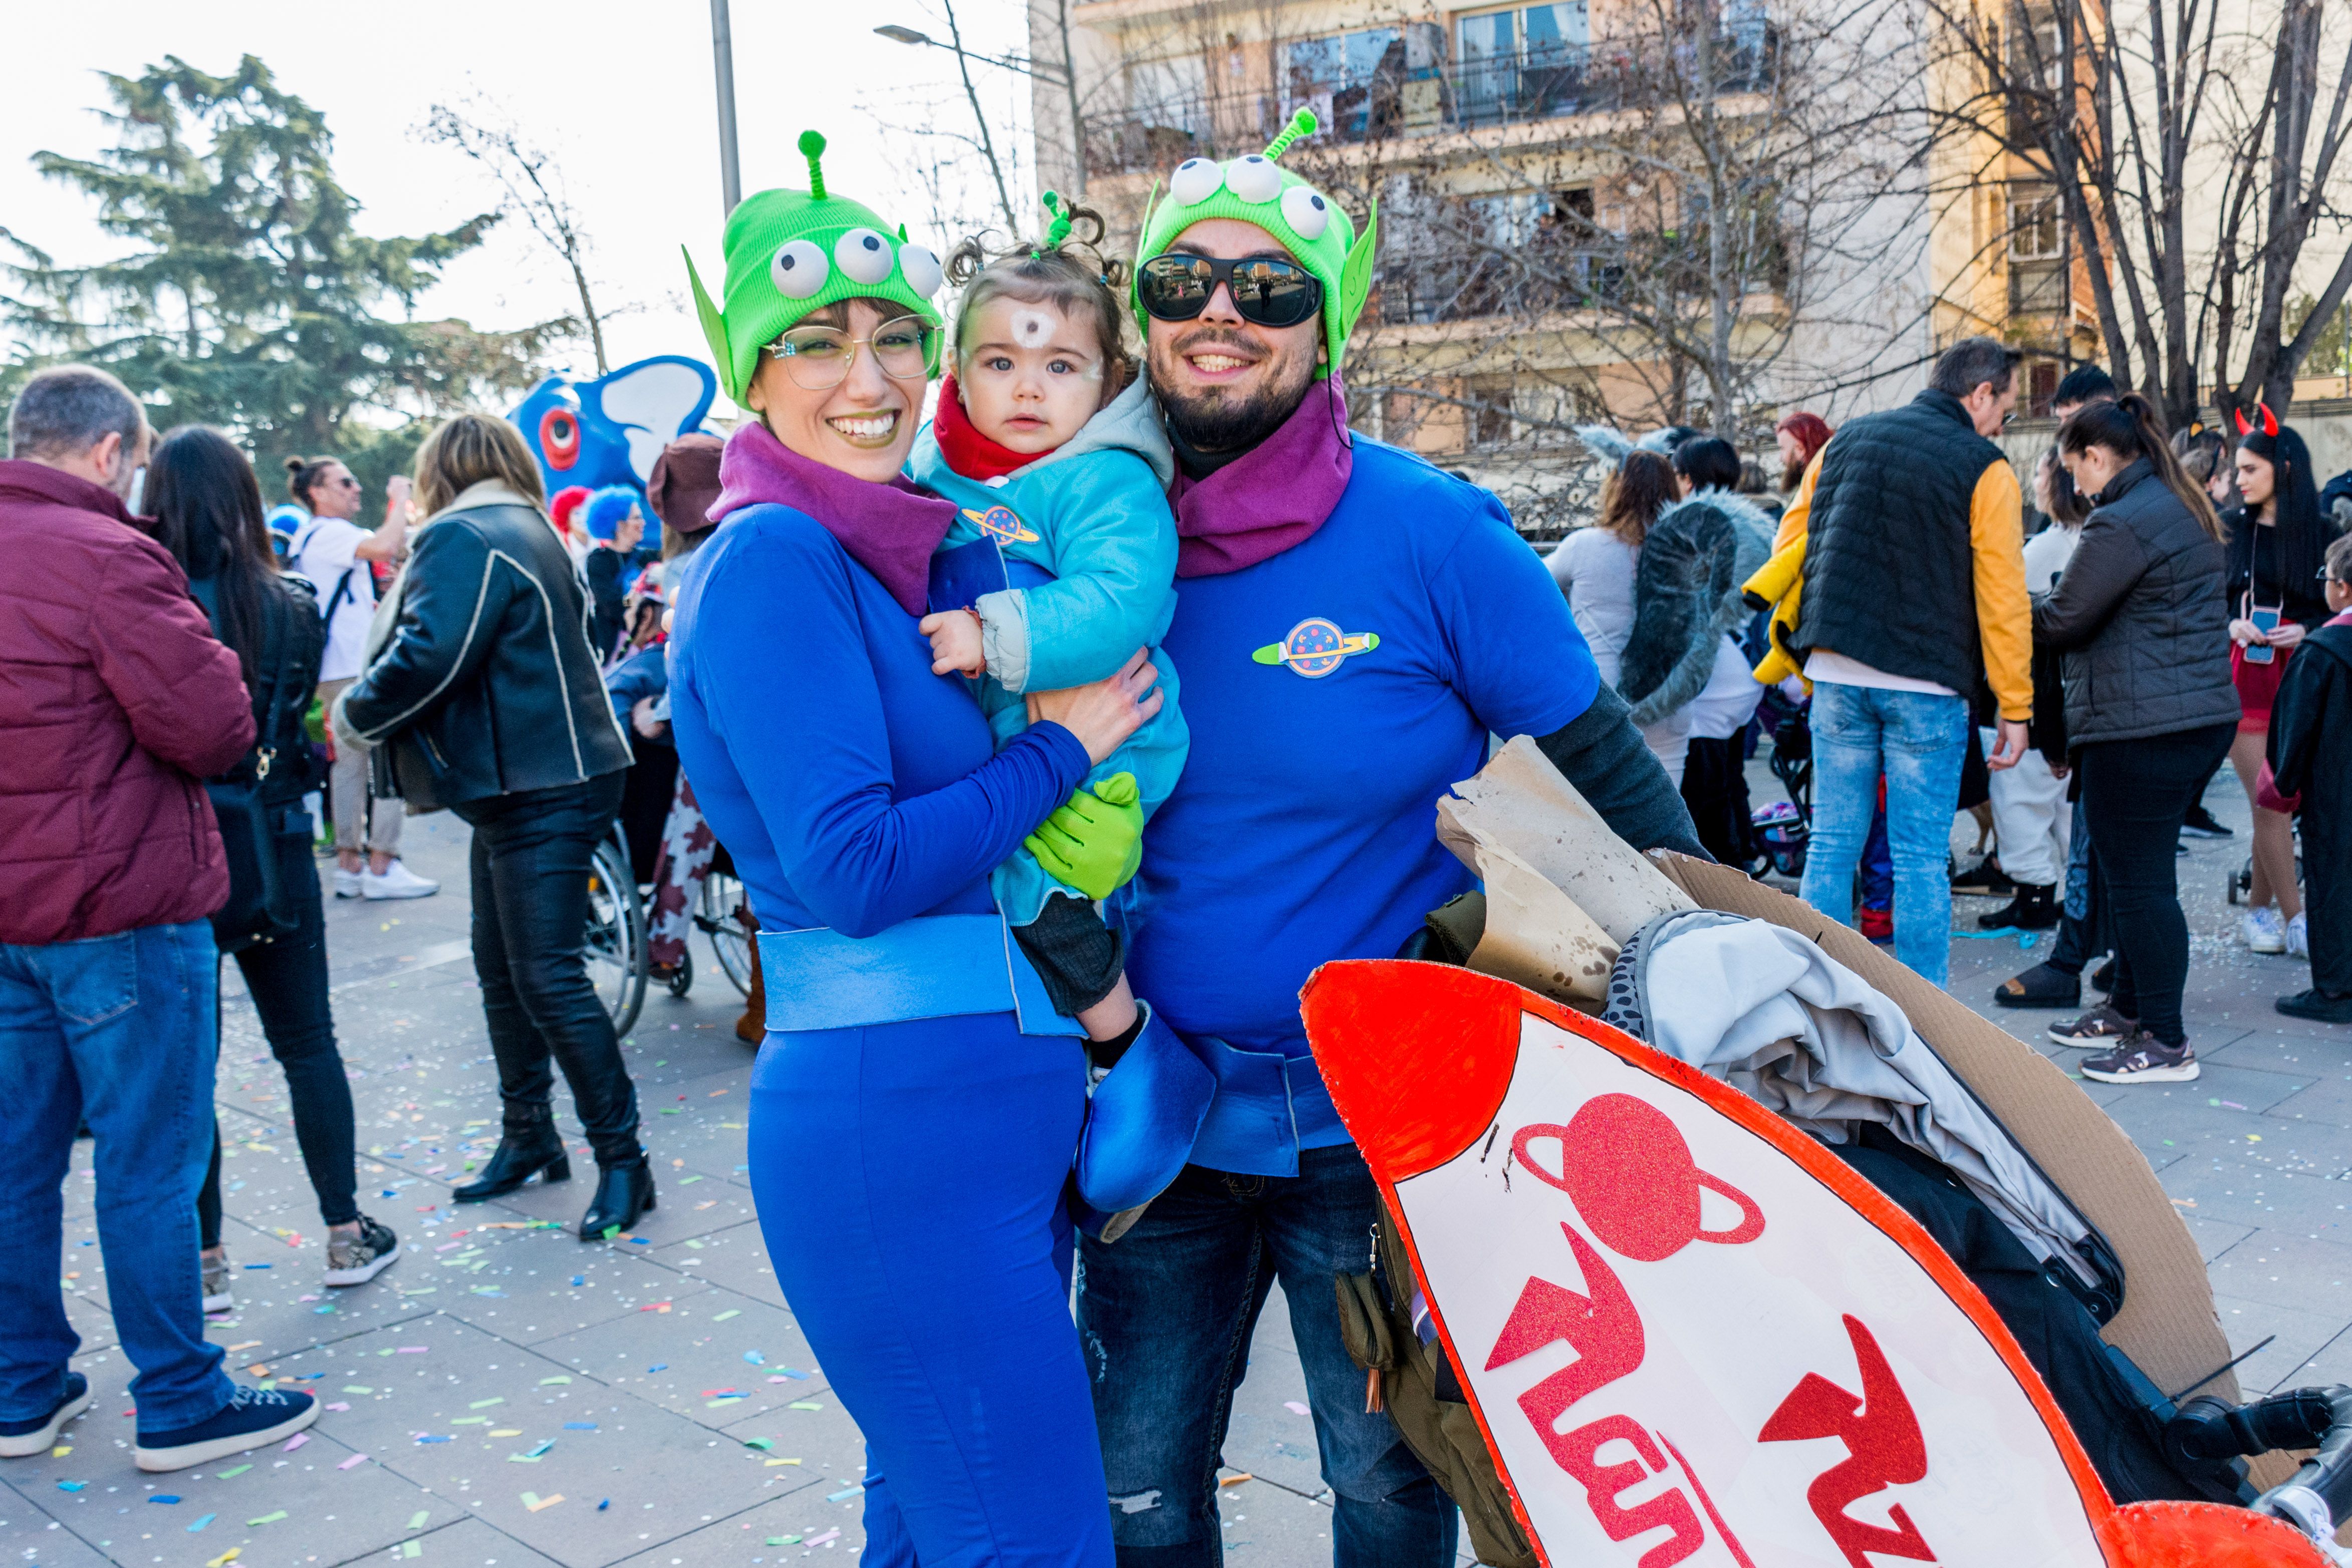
(1400, 103)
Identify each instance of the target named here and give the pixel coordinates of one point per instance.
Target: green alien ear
(811, 147)
(714, 326)
(1356, 277)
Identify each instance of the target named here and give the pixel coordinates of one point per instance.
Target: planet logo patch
(999, 523)
(1316, 648)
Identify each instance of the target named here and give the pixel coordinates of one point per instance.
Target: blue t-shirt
(1335, 692)
(851, 786)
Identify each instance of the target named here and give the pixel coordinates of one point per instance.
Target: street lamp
(1066, 79)
(898, 34)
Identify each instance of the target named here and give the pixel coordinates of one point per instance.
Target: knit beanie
(1310, 226)
(792, 253)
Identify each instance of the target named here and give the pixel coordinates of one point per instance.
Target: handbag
(261, 901)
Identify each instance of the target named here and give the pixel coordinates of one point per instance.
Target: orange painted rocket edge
(1873, 1206)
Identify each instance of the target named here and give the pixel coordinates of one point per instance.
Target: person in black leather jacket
(484, 697)
(207, 506)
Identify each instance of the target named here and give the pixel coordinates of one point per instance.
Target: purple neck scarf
(890, 530)
(1271, 498)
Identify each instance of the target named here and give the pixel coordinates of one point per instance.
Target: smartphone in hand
(2265, 622)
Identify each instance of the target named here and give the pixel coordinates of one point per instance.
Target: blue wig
(604, 511)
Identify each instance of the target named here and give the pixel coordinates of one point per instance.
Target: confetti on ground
(358, 1388)
(544, 1382)
(355, 1459)
(427, 1437)
(231, 1555)
(580, 1279)
(580, 1426)
(61, 1450)
(773, 1463)
(1294, 1407)
(755, 1358)
(268, 1518)
(295, 1442)
(806, 1404)
(729, 1312)
(535, 1502)
(829, 1537)
(416, 1521)
(410, 1549)
(658, 1366)
(843, 1495)
(507, 1432)
(485, 1404)
(201, 1523)
(71, 1486)
(338, 1405)
(162, 1497)
(233, 1470)
(1236, 1480)
(783, 1541)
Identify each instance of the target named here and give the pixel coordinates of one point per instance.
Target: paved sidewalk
(507, 1395)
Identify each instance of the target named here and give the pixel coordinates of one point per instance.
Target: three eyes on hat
(1255, 179)
(800, 267)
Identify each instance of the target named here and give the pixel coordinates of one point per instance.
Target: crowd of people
(1055, 741)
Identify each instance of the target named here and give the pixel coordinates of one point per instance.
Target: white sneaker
(347, 883)
(218, 1296)
(2298, 937)
(397, 882)
(2262, 931)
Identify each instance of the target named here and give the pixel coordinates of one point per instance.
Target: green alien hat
(1258, 189)
(792, 253)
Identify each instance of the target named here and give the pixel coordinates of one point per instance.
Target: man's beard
(1218, 421)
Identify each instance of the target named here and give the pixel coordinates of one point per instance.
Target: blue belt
(932, 966)
(1268, 1108)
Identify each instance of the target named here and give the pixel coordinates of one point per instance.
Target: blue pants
(121, 1030)
(1918, 740)
(1168, 1311)
(909, 1182)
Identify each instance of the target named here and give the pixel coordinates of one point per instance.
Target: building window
(2036, 229)
(1356, 82)
(1523, 63)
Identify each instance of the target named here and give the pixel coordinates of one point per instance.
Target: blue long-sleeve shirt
(853, 788)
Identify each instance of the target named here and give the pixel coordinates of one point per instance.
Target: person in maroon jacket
(114, 701)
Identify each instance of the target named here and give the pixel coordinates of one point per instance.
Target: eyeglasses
(818, 359)
(1266, 292)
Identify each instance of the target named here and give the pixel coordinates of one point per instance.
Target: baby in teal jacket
(1061, 566)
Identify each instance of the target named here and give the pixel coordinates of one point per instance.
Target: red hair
(1812, 434)
(565, 502)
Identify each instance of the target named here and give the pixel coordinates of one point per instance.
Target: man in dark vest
(1914, 590)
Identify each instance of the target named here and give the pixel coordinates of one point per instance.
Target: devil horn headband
(2270, 421)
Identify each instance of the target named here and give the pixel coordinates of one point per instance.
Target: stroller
(1784, 828)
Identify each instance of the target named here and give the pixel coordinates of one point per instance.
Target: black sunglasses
(1267, 292)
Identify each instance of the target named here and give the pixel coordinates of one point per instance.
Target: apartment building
(1546, 251)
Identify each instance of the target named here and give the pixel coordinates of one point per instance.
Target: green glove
(1093, 842)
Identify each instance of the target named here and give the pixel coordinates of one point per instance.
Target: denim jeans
(530, 856)
(1918, 740)
(119, 1030)
(287, 980)
(1166, 1314)
(2083, 933)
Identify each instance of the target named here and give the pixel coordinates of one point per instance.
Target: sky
(622, 95)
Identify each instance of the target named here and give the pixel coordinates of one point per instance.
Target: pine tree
(246, 296)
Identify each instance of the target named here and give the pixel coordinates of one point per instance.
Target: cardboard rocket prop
(1687, 1331)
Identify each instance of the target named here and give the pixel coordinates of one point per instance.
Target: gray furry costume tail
(1686, 596)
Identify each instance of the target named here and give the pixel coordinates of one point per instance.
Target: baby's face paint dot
(1031, 328)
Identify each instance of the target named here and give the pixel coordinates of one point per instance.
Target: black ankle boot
(2035, 908)
(624, 1193)
(525, 1149)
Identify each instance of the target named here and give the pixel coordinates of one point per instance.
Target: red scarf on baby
(968, 452)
